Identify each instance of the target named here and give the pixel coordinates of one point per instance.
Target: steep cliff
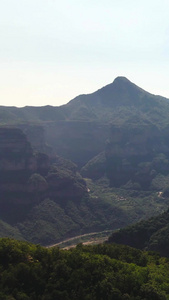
(28, 177)
(134, 156)
(17, 161)
(132, 153)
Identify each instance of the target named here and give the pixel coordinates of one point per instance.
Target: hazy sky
(54, 50)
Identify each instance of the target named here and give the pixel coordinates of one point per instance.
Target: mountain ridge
(115, 93)
(120, 83)
(83, 125)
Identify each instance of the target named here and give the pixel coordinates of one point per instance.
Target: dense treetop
(86, 272)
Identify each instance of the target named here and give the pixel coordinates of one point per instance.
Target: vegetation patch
(86, 272)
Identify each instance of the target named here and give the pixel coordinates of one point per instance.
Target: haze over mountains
(86, 119)
(117, 136)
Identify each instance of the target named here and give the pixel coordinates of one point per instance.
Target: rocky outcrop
(36, 136)
(17, 161)
(15, 150)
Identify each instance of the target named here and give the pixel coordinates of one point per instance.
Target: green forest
(86, 272)
(151, 234)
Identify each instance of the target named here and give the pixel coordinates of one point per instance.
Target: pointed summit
(120, 91)
(120, 100)
(122, 82)
(121, 79)
(117, 102)
(121, 86)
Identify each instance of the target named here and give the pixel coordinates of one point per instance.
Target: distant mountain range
(118, 134)
(119, 102)
(80, 129)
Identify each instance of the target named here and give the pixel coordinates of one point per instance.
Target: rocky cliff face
(135, 140)
(14, 148)
(16, 156)
(17, 164)
(78, 141)
(36, 136)
(28, 177)
(132, 154)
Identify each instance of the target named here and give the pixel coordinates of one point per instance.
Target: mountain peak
(122, 83)
(120, 92)
(120, 87)
(121, 79)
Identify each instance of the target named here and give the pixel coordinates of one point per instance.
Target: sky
(51, 51)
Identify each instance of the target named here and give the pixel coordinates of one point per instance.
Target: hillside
(152, 234)
(87, 272)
